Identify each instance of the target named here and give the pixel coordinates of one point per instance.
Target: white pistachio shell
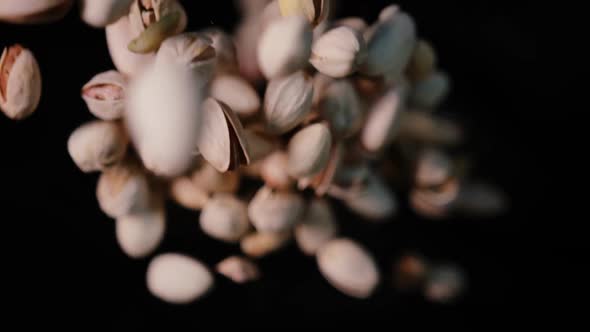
(348, 267)
(444, 284)
(237, 93)
(100, 13)
(119, 35)
(315, 11)
(246, 39)
(238, 269)
(210, 180)
(139, 234)
(193, 51)
(187, 194)
(341, 107)
(33, 11)
(261, 244)
(225, 49)
(225, 218)
(287, 101)
(20, 82)
(339, 52)
(433, 167)
(374, 200)
(382, 120)
(430, 92)
(104, 95)
(316, 228)
(309, 150)
(323, 181)
(97, 145)
(275, 211)
(177, 278)
(274, 171)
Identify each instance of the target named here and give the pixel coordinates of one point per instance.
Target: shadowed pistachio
(324, 180)
(431, 91)
(284, 47)
(100, 13)
(480, 200)
(139, 234)
(410, 272)
(104, 95)
(427, 128)
(275, 211)
(225, 218)
(444, 284)
(225, 49)
(152, 21)
(97, 145)
(221, 138)
(20, 82)
(355, 23)
(382, 120)
(239, 269)
(309, 150)
(119, 35)
(236, 93)
(33, 11)
(373, 200)
(260, 145)
(188, 195)
(422, 63)
(177, 278)
(261, 244)
(190, 50)
(341, 107)
(317, 227)
(339, 52)
(315, 11)
(433, 168)
(287, 101)
(210, 180)
(273, 171)
(348, 267)
(435, 202)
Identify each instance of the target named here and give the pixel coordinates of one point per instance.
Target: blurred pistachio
(423, 61)
(152, 21)
(410, 272)
(317, 227)
(479, 199)
(433, 167)
(287, 101)
(33, 11)
(193, 51)
(140, 233)
(119, 35)
(210, 180)
(236, 93)
(339, 52)
(187, 194)
(20, 82)
(431, 91)
(238, 269)
(435, 202)
(341, 107)
(259, 143)
(321, 83)
(225, 49)
(274, 171)
(275, 211)
(246, 39)
(372, 200)
(352, 174)
(100, 13)
(356, 23)
(323, 181)
(315, 11)
(97, 145)
(382, 120)
(104, 95)
(261, 244)
(309, 150)
(428, 129)
(445, 283)
(252, 7)
(225, 218)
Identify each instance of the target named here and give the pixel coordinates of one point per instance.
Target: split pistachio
(236, 93)
(33, 11)
(340, 105)
(423, 61)
(316, 228)
(225, 49)
(309, 150)
(433, 167)
(152, 21)
(348, 267)
(427, 128)
(373, 200)
(140, 233)
(275, 211)
(187, 194)
(221, 138)
(193, 51)
(225, 218)
(274, 171)
(104, 95)
(287, 101)
(119, 35)
(382, 120)
(444, 284)
(295, 37)
(177, 278)
(210, 180)
(100, 13)
(431, 91)
(339, 52)
(261, 244)
(239, 269)
(97, 145)
(20, 82)
(315, 11)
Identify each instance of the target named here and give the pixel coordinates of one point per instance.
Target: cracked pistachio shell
(274, 171)
(119, 35)
(309, 150)
(163, 117)
(341, 107)
(97, 145)
(348, 267)
(237, 93)
(275, 211)
(316, 228)
(426, 128)
(315, 11)
(100, 13)
(238, 269)
(187, 194)
(382, 120)
(178, 279)
(210, 180)
(287, 102)
(430, 92)
(261, 244)
(104, 95)
(435, 202)
(190, 50)
(140, 233)
(225, 49)
(433, 168)
(20, 82)
(480, 200)
(144, 13)
(423, 62)
(339, 52)
(33, 11)
(444, 283)
(373, 200)
(225, 218)
(221, 139)
(284, 47)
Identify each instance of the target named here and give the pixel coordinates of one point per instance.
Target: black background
(62, 260)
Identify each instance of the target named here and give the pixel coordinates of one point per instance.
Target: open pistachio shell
(20, 82)
(382, 120)
(104, 95)
(225, 218)
(287, 101)
(187, 194)
(275, 211)
(317, 227)
(210, 180)
(119, 35)
(261, 244)
(309, 150)
(236, 93)
(238, 269)
(274, 171)
(33, 11)
(100, 13)
(140, 233)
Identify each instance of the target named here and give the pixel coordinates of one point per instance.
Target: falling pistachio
(187, 194)
(274, 171)
(237, 93)
(239, 269)
(431, 91)
(100, 13)
(33, 11)
(382, 120)
(275, 211)
(212, 181)
(140, 233)
(423, 61)
(287, 101)
(225, 218)
(309, 150)
(341, 107)
(155, 34)
(104, 95)
(317, 227)
(225, 50)
(261, 244)
(192, 51)
(20, 82)
(119, 35)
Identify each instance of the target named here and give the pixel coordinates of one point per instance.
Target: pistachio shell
(191, 50)
(309, 150)
(430, 92)
(139, 234)
(275, 211)
(187, 194)
(287, 101)
(339, 52)
(210, 180)
(97, 145)
(261, 244)
(382, 120)
(427, 128)
(177, 278)
(341, 107)
(433, 167)
(315, 11)
(225, 49)
(423, 62)
(348, 267)
(247, 36)
(374, 200)
(100, 13)
(444, 284)
(119, 35)
(104, 95)
(239, 269)
(323, 181)
(33, 11)
(20, 82)
(274, 171)
(317, 227)
(236, 93)
(225, 218)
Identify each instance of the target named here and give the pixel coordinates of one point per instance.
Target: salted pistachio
(352, 22)
(20, 82)
(152, 21)
(225, 49)
(191, 50)
(383, 120)
(349, 267)
(284, 47)
(97, 145)
(261, 145)
(372, 200)
(427, 128)
(210, 180)
(274, 171)
(140, 233)
(315, 11)
(225, 218)
(410, 272)
(163, 116)
(309, 150)
(423, 61)
(341, 107)
(480, 200)
(33, 11)
(100, 13)
(435, 202)
(317, 227)
(177, 278)
(221, 138)
(433, 167)
(104, 95)
(339, 52)
(237, 93)
(187, 194)
(323, 181)
(238, 269)
(261, 244)
(287, 101)
(119, 35)
(445, 283)
(272, 210)
(431, 91)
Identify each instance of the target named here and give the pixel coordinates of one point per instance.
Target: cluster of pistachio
(346, 112)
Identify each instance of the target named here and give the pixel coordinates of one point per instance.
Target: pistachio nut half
(261, 244)
(287, 101)
(315, 11)
(104, 95)
(309, 150)
(237, 93)
(272, 210)
(100, 13)
(238, 269)
(152, 21)
(317, 227)
(140, 233)
(33, 11)
(20, 82)
(373, 200)
(339, 52)
(225, 218)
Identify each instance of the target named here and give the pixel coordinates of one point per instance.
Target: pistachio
(309, 150)
(187, 194)
(119, 35)
(323, 181)
(210, 180)
(104, 95)
(20, 82)
(444, 284)
(152, 21)
(355, 23)
(480, 200)
(382, 120)
(177, 278)
(33, 11)
(236, 93)
(247, 36)
(252, 7)
(433, 167)
(239, 269)
(373, 200)
(225, 49)
(287, 101)
(260, 145)
(100, 13)
(315, 11)
(410, 272)
(430, 92)
(274, 171)
(275, 211)
(341, 107)
(97, 145)
(427, 128)
(139, 234)
(339, 52)
(225, 218)
(193, 51)
(422, 63)
(348, 267)
(317, 227)
(221, 138)
(261, 244)
(295, 37)
(435, 202)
